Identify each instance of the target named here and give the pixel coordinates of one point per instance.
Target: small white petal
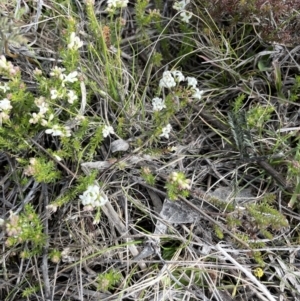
(192, 82)
(97, 204)
(71, 78)
(178, 76)
(185, 16)
(197, 93)
(49, 131)
(58, 158)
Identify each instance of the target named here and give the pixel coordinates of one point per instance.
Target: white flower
(44, 122)
(79, 118)
(5, 104)
(108, 129)
(178, 76)
(37, 71)
(75, 42)
(71, 78)
(114, 4)
(52, 208)
(8, 66)
(166, 131)
(39, 101)
(54, 94)
(57, 130)
(123, 3)
(71, 96)
(44, 107)
(179, 5)
(192, 82)
(93, 197)
(35, 118)
(57, 72)
(185, 16)
(197, 93)
(32, 161)
(167, 80)
(67, 131)
(5, 87)
(158, 104)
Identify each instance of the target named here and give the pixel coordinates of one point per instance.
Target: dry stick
(265, 165)
(110, 212)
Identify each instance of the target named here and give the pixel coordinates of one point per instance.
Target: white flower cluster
(30, 170)
(8, 66)
(55, 130)
(5, 107)
(170, 78)
(58, 72)
(75, 42)
(71, 96)
(180, 180)
(4, 87)
(55, 93)
(180, 6)
(58, 130)
(166, 131)
(65, 78)
(167, 80)
(158, 104)
(10, 71)
(93, 197)
(112, 5)
(107, 130)
(40, 116)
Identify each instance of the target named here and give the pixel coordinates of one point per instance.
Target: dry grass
(156, 249)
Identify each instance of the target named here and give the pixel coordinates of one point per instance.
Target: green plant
(29, 291)
(294, 96)
(177, 185)
(108, 280)
(55, 256)
(161, 78)
(26, 229)
(148, 176)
